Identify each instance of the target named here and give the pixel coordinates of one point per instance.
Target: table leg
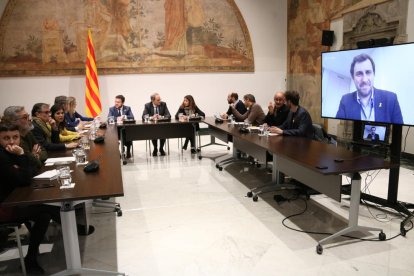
(71, 245)
(353, 215)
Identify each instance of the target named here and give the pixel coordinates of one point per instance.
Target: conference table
(156, 129)
(106, 182)
(315, 164)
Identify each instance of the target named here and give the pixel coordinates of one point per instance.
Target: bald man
(278, 111)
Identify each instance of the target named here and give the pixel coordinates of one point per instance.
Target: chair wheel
(250, 194)
(402, 231)
(200, 157)
(119, 213)
(258, 165)
(228, 148)
(220, 168)
(255, 198)
(319, 249)
(217, 166)
(382, 236)
(124, 162)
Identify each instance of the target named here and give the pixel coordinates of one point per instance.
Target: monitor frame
(400, 99)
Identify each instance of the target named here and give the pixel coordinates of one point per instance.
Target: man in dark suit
(372, 135)
(298, 122)
(233, 98)
(155, 110)
(118, 110)
(278, 111)
(368, 103)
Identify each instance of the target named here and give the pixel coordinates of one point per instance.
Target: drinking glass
(85, 143)
(146, 118)
(261, 128)
(65, 179)
(111, 120)
(80, 157)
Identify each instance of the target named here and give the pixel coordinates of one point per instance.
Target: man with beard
(368, 103)
(278, 111)
(32, 149)
(233, 99)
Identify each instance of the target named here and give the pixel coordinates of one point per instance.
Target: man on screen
(372, 135)
(368, 103)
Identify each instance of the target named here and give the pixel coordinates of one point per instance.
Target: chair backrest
(319, 134)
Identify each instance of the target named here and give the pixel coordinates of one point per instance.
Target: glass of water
(261, 129)
(85, 143)
(65, 179)
(80, 157)
(146, 118)
(111, 120)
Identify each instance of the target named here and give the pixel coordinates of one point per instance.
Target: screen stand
(392, 201)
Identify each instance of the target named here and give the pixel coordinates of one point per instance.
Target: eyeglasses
(24, 117)
(46, 112)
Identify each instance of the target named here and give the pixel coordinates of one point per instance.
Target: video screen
(374, 85)
(374, 133)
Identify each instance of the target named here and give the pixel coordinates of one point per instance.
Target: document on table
(52, 161)
(47, 175)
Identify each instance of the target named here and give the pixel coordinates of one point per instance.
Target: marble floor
(182, 216)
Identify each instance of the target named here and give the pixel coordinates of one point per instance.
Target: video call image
(374, 133)
(374, 84)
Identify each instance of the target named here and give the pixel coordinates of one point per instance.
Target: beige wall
(266, 21)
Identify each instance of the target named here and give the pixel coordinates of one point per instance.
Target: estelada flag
(92, 95)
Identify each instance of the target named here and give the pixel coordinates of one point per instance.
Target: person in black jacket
(189, 109)
(15, 171)
(233, 98)
(46, 130)
(278, 111)
(298, 122)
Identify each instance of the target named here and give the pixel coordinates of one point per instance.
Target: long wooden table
(156, 130)
(106, 182)
(318, 165)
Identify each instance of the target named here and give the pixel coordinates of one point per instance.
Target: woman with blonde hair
(73, 118)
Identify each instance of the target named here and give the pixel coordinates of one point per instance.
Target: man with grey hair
(155, 109)
(35, 152)
(254, 114)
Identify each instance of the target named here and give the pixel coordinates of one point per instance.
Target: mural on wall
(306, 21)
(130, 36)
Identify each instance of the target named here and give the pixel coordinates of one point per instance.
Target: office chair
(15, 226)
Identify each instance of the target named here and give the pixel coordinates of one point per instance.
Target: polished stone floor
(182, 216)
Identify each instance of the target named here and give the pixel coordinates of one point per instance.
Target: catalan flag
(92, 96)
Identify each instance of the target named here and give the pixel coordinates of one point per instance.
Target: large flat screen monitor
(373, 85)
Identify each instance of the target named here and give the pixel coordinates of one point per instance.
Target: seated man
(155, 109)
(34, 151)
(298, 122)
(15, 171)
(278, 111)
(46, 130)
(254, 114)
(233, 98)
(118, 110)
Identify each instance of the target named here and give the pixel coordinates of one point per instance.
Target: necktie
(156, 110)
(119, 112)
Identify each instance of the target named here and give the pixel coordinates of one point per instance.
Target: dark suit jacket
(386, 107)
(376, 137)
(41, 137)
(240, 107)
(126, 110)
(298, 124)
(278, 117)
(162, 110)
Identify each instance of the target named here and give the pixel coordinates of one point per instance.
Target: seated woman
(15, 171)
(45, 129)
(73, 119)
(58, 114)
(189, 109)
